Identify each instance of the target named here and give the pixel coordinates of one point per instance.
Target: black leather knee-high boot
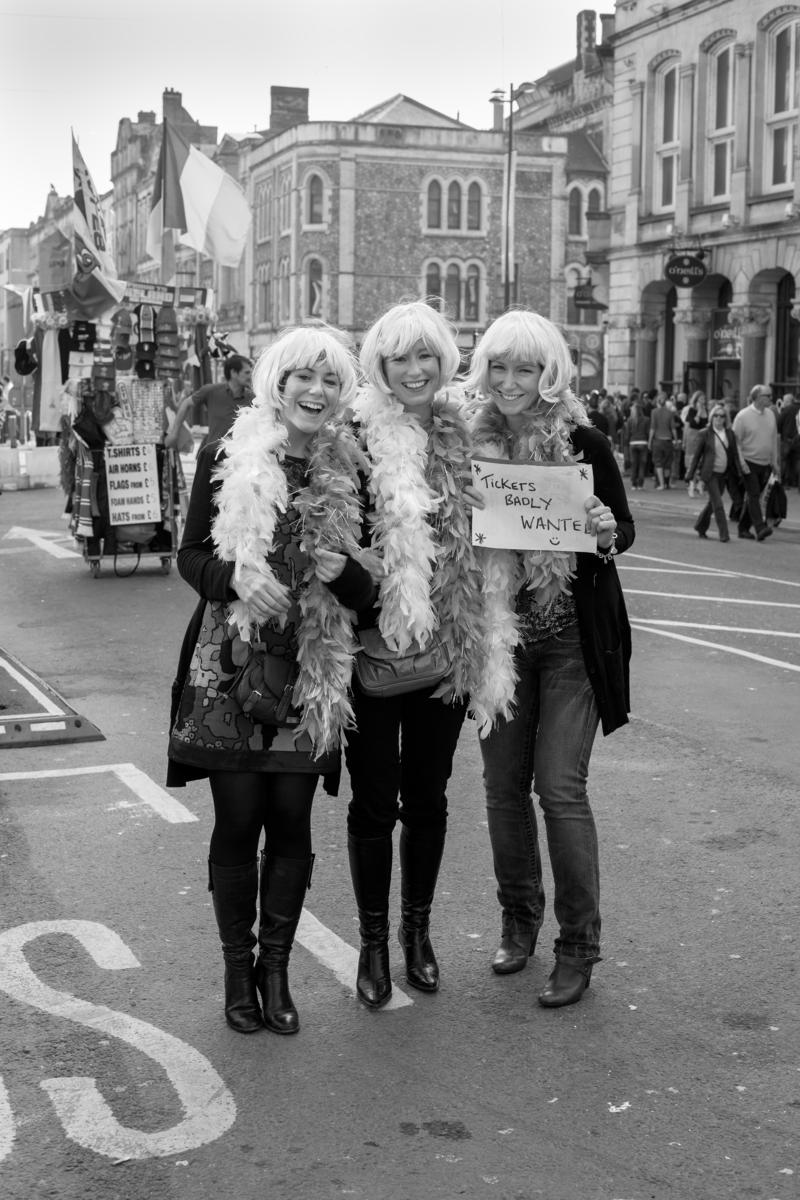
(283, 887)
(371, 869)
(234, 891)
(420, 858)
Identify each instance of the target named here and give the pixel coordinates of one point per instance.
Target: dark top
(703, 460)
(211, 579)
(602, 617)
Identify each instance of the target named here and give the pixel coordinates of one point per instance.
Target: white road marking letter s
(86, 1116)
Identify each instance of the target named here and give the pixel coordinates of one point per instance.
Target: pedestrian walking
(557, 656)
(637, 434)
(662, 425)
(272, 547)
(414, 431)
(756, 434)
(717, 465)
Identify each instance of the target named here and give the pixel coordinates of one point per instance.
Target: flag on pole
(95, 287)
(196, 198)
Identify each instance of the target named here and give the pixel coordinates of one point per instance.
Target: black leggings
(247, 802)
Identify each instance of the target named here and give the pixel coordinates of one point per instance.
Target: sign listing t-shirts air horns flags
(532, 506)
(133, 492)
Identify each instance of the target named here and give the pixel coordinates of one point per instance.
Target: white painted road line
(142, 785)
(670, 562)
(42, 540)
(6, 1123)
(781, 633)
(712, 599)
(679, 637)
(339, 957)
(46, 704)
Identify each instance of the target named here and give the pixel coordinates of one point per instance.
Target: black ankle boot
(569, 980)
(420, 858)
(516, 947)
(283, 887)
(371, 871)
(234, 891)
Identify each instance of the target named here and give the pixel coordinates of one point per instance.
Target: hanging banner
(532, 506)
(133, 490)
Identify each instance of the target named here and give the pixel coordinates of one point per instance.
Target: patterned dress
(211, 731)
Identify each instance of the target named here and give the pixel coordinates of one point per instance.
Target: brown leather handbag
(264, 688)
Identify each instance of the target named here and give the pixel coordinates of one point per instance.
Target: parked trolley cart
(126, 491)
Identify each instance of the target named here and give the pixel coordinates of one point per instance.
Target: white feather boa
(253, 491)
(544, 438)
(421, 527)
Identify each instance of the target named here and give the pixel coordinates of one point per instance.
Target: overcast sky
(85, 64)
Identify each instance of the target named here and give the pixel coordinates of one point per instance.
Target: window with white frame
(594, 201)
(575, 212)
(315, 196)
(720, 130)
(454, 206)
(455, 288)
(313, 288)
(781, 111)
(264, 294)
(667, 96)
(433, 214)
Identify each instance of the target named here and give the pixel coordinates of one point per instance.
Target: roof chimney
(288, 107)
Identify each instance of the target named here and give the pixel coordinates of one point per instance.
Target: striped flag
(199, 201)
(95, 287)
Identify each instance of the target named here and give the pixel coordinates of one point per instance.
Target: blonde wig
(297, 350)
(524, 336)
(398, 330)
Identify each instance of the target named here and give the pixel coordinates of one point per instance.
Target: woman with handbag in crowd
(716, 463)
(262, 696)
(557, 660)
(413, 430)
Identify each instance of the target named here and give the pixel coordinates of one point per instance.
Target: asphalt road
(676, 1078)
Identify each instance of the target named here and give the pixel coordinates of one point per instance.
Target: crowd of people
(344, 612)
(752, 452)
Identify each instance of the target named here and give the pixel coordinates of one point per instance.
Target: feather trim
(253, 490)
(421, 528)
(545, 437)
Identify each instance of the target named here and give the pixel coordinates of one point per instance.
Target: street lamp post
(498, 96)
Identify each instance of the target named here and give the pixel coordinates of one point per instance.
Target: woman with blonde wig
(272, 546)
(412, 425)
(556, 657)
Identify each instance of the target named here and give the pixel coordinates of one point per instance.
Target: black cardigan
(602, 617)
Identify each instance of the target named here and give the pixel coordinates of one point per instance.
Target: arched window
(594, 201)
(433, 285)
(284, 294)
(314, 288)
(474, 206)
(264, 295)
(286, 201)
(576, 213)
(472, 293)
(434, 204)
(314, 206)
(452, 292)
(454, 206)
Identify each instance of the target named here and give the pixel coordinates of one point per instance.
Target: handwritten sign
(532, 507)
(133, 492)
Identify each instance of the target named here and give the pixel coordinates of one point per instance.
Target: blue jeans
(547, 745)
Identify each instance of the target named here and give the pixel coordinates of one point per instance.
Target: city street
(675, 1078)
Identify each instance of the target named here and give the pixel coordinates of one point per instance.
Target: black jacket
(602, 617)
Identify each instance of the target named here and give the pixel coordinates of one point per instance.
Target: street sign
(685, 270)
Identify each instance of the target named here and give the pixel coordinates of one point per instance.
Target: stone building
(400, 202)
(575, 100)
(704, 172)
